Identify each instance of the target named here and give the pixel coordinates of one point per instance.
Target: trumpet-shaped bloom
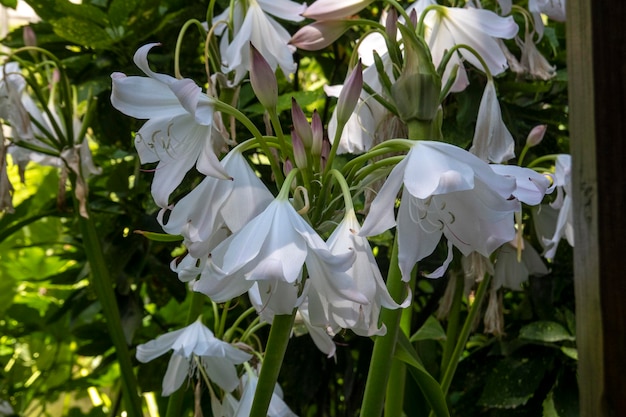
(449, 192)
(182, 128)
(269, 252)
(343, 313)
(477, 28)
(563, 205)
(217, 206)
(252, 24)
(492, 140)
(217, 357)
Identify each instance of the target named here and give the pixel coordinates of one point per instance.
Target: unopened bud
(299, 153)
(30, 39)
(349, 96)
(263, 80)
(536, 135)
(320, 34)
(318, 135)
(301, 124)
(325, 153)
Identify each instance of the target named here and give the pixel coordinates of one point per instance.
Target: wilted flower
(191, 344)
(182, 128)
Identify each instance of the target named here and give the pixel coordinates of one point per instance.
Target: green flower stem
(464, 335)
(394, 404)
(103, 287)
(275, 352)
(175, 402)
(384, 346)
(453, 321)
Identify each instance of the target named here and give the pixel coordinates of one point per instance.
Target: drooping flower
(217, 207)
(564, 226)
(344, 313)
(533, 62)
(477, 28)
(492, 140)
(267, 255)
(182, 128)
(510, 271)
(252, 23)
(194, 342)
(449, 192)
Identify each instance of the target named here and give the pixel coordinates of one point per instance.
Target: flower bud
(263, 80)
(30, 39)
(416, 91)
(318, 135)
(301, 124)
(325, 153)
(349, 95)
(335, 9)
(319, 35)
(536, 135)
(299, 153)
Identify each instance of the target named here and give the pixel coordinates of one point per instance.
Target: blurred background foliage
(55, 354)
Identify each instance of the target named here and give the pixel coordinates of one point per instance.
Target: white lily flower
(477, 28)
(533, 62)
(182, 128)
(492, 140)
(554, 9)
(447, 191)
(252, 24)
(361, 318)
(563, 204)
(511, 272)
(194, 341)
(322, 336)
(366, 124)
(270, 251)
(277, 407)
(216, 205)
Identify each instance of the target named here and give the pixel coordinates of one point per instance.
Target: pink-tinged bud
(301, 124)
(318, 135)
(413, 18)
(299, 153)
(319, 35)
(536, 135)
(263, 80)
(391, 23)
(349, 95)
(287, 166)
(30, 39)
(335, 9)
(325, 153)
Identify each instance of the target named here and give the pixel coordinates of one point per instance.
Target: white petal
(157, 347)
(176, 373)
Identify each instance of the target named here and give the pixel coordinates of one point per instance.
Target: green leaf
(159, 237)
(429, 386)
(82, 32)
(513, 382)
(431, 330)
(571, 352)
(9, 3)
(545, 331)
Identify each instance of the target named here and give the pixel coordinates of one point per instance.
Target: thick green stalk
(175, 402)
(384, 346)
(103, 287)
(394, 405)
(274, 354)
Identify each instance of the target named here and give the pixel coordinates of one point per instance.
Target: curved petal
(222, 372)
(157, 347)
(143, 98)
(177, 371)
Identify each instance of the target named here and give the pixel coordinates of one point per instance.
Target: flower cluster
(292, 240)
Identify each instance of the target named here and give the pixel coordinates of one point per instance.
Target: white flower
(182, 128)
(269, 252)
(252, 24)
(194, 341)
(363, 129)
(477, 28)
(511, 272)
(249, 381)
(492, 140)
(564, 226)
(217, 207)
(361, 318)
(447, 191)
(533, 62)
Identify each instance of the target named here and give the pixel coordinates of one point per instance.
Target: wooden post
(596, 47)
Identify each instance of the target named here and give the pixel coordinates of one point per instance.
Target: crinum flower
(182, 130)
